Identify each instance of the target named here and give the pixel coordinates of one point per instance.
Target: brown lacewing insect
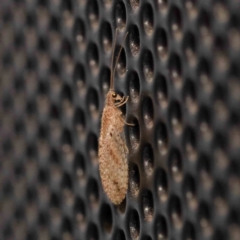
(113, 151)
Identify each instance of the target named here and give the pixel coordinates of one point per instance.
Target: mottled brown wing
(113, 164)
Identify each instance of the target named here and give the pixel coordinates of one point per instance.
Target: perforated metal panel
(180, 69)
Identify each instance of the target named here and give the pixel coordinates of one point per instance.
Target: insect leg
(122, 102)
(129, 124)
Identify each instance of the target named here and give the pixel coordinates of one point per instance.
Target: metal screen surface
(180, 67)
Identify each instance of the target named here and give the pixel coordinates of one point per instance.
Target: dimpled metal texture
(180, 69)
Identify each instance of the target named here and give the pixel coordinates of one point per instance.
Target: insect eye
(114, 95)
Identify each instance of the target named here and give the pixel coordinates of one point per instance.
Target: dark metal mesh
(181, 68)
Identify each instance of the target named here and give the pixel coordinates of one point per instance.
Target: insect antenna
(114, 46)
(119, 53)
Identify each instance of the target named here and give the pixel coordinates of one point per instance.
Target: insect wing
(113, 163)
